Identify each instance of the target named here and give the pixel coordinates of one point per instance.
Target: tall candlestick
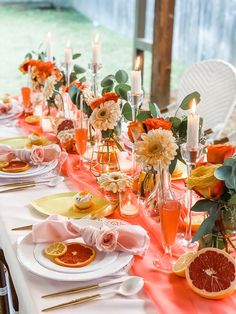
(49, 53)
(96, 49)
(68, 53)
(136, 78)
(193, 128)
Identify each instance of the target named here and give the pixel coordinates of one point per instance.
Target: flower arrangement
(115, 181)
(215, 182)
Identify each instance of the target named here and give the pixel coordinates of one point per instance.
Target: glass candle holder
(129, 206)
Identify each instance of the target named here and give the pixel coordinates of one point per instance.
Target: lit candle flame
(137, 63)
(194, 106)
(96, 38)
(68, 44)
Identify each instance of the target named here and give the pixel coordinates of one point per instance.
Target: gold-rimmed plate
(63, 203)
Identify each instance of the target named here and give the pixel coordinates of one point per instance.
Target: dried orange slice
(212, 273)
(55, 249)
(32, 119)
(16, 166)
(3, 164)
(180, 265)
(77, 255)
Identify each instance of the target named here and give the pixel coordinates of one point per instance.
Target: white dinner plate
(16, 109)
(33, 171)
(26, 256)
(102, 260)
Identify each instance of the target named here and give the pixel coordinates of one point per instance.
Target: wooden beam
(161, 51)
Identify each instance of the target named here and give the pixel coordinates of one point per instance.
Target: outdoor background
(203, 29)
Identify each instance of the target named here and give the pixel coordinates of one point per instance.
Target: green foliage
(227, 173)
(143, 115)
(187, 101)
(29, 55)
(127, 111)
(121, 76)
(76, 55)
(117, 83)
(154, 110)
(209, 223)
(74, 91)
(78, 69)
(173, 165)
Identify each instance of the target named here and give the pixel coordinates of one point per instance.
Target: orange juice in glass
(26, 92)
(81, 137)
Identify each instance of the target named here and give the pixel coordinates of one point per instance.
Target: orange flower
(135, 129)
(96, 102)
(216, 154)
(204, 183)
(156, 123)
(110, 96)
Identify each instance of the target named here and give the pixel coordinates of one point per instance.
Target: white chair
(215, 80)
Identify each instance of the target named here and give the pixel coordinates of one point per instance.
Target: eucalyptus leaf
(76, 55)
(28, 56)
(108, 81)
(173, 165)
(205, 228)
(122, 89)
(143, 115)
(82, 79)
(78, 69)
(176, 122)
(121, 76)
(127, 111)
(204, 206)
(155, 111)
(73, 91)
(187, 101)
(223, 172)
(107, 89)
(233, 199)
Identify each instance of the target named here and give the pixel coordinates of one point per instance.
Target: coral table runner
(169, 293)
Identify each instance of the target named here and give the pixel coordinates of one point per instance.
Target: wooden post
(161, 51)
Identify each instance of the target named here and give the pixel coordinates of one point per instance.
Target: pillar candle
(136, 78)
(96, 49)
(68, 53)
(193, 128)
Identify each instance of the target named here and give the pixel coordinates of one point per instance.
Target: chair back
(215, 80)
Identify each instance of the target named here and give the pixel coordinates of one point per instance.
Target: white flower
(106, 116)
(115, 181)
(156, 145)
(49, 86)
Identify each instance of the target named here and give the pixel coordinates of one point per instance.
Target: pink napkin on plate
(127, 238)
(38, 155)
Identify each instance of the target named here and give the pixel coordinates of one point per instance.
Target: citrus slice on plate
(180, 265)
(32, 119)
(55, 249)
(196, 221)
(212, 273)
(3, 164)
(77, 255)
(16, 166)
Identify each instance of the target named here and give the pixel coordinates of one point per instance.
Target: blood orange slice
(77, 255)
(16, 166)
(212, 273)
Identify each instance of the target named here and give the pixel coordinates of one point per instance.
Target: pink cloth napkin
(127, 238)
(37, 155)
(5, 108)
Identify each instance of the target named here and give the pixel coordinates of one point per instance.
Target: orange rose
(216, 154)
(204, 183)
(110, 96)
(156, 123)
(96, 102)
(135, 129)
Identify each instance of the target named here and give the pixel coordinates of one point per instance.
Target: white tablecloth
(16, 211)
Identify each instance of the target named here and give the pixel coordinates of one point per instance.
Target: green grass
(23, 29)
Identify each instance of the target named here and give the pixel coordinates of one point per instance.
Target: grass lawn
(23, 28)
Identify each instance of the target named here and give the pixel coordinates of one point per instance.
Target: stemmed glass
(170, 209)
(81, 137)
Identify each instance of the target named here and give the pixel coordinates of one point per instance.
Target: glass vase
(128, 203)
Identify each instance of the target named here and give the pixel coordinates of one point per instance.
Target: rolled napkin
(126, 238)
(5, 108)
(38, 155)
